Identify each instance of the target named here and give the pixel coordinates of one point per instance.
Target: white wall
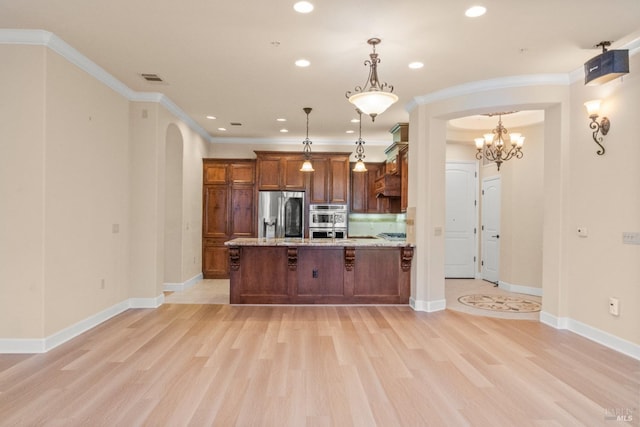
(22, 122)
(83, 172)
(605, 198)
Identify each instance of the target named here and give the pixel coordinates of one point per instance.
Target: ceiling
(235, 59)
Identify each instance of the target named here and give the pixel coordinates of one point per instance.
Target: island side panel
(379, 276)
(320, 272)
(261, 276)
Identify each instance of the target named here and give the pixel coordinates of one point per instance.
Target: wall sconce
(593, 109)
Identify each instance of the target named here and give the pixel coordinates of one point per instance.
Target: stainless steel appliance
(280, 214)
(328, 221)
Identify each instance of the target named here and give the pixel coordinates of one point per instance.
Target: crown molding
(491, 84)
(62, 48)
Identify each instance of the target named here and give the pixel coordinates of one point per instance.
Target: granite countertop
(351, 241)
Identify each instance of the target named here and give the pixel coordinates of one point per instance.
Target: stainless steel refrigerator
(280, 214)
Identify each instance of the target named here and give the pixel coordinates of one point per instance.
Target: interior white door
(490, 229)
(461, 220)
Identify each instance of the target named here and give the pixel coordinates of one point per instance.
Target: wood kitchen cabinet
(362, 194)
(280, 171)
(330, 179)
(228, 210)
(328, 183)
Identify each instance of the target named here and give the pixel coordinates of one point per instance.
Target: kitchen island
(319, 271)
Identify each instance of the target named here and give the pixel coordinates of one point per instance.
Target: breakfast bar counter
(320, 271)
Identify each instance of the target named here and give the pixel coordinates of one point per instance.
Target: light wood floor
(228, 365)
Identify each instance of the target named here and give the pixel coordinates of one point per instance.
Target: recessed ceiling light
(222, 129)
(355, 120)
(303, 7)
(350, 131)
(416, 65)
(284, 130)
(475, 11)
(211, 117)
(302, 63)
(281, 120)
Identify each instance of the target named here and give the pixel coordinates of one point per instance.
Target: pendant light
(359, 166)
(307, 166)
(372, 99)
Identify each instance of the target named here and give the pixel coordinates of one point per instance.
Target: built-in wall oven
(328, 221)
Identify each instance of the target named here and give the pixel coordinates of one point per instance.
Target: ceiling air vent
(152, 78)
(235, 124)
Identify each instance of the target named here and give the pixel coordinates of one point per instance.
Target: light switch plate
(630, 238)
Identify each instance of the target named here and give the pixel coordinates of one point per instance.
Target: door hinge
(474, 259)
(482, 263)
(482, 228)
(475, 203)
(483, 192)
(475, 230)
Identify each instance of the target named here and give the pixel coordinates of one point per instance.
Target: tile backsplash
(374, 224)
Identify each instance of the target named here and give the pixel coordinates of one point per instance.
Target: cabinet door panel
(242, 173)
(293, 179)
(216, 218)
(215, 173)
(215, 262)
(269, 173)
(242, 212)
(319, 181)
(339, 180)
(359, 191)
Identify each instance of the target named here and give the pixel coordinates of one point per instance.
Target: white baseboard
(42, 345)
(177, 287)
(601, 337)
(428, 306)
(520, 289)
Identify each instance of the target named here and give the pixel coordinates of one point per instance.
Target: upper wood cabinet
(330, 179)
(292, 178)
(363, 195)
(215, 173)
(280, 171)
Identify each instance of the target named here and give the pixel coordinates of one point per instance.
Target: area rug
(500, 303)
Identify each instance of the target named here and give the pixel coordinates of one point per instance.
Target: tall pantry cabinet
(228, 210)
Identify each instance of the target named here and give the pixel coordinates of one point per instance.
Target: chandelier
(493, 146)
(372, 99)
(307, 166)
(359, 166)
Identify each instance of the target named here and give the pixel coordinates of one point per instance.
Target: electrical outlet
(583, 232)
(614, 306)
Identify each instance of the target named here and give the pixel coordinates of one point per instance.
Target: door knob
(497, 236)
